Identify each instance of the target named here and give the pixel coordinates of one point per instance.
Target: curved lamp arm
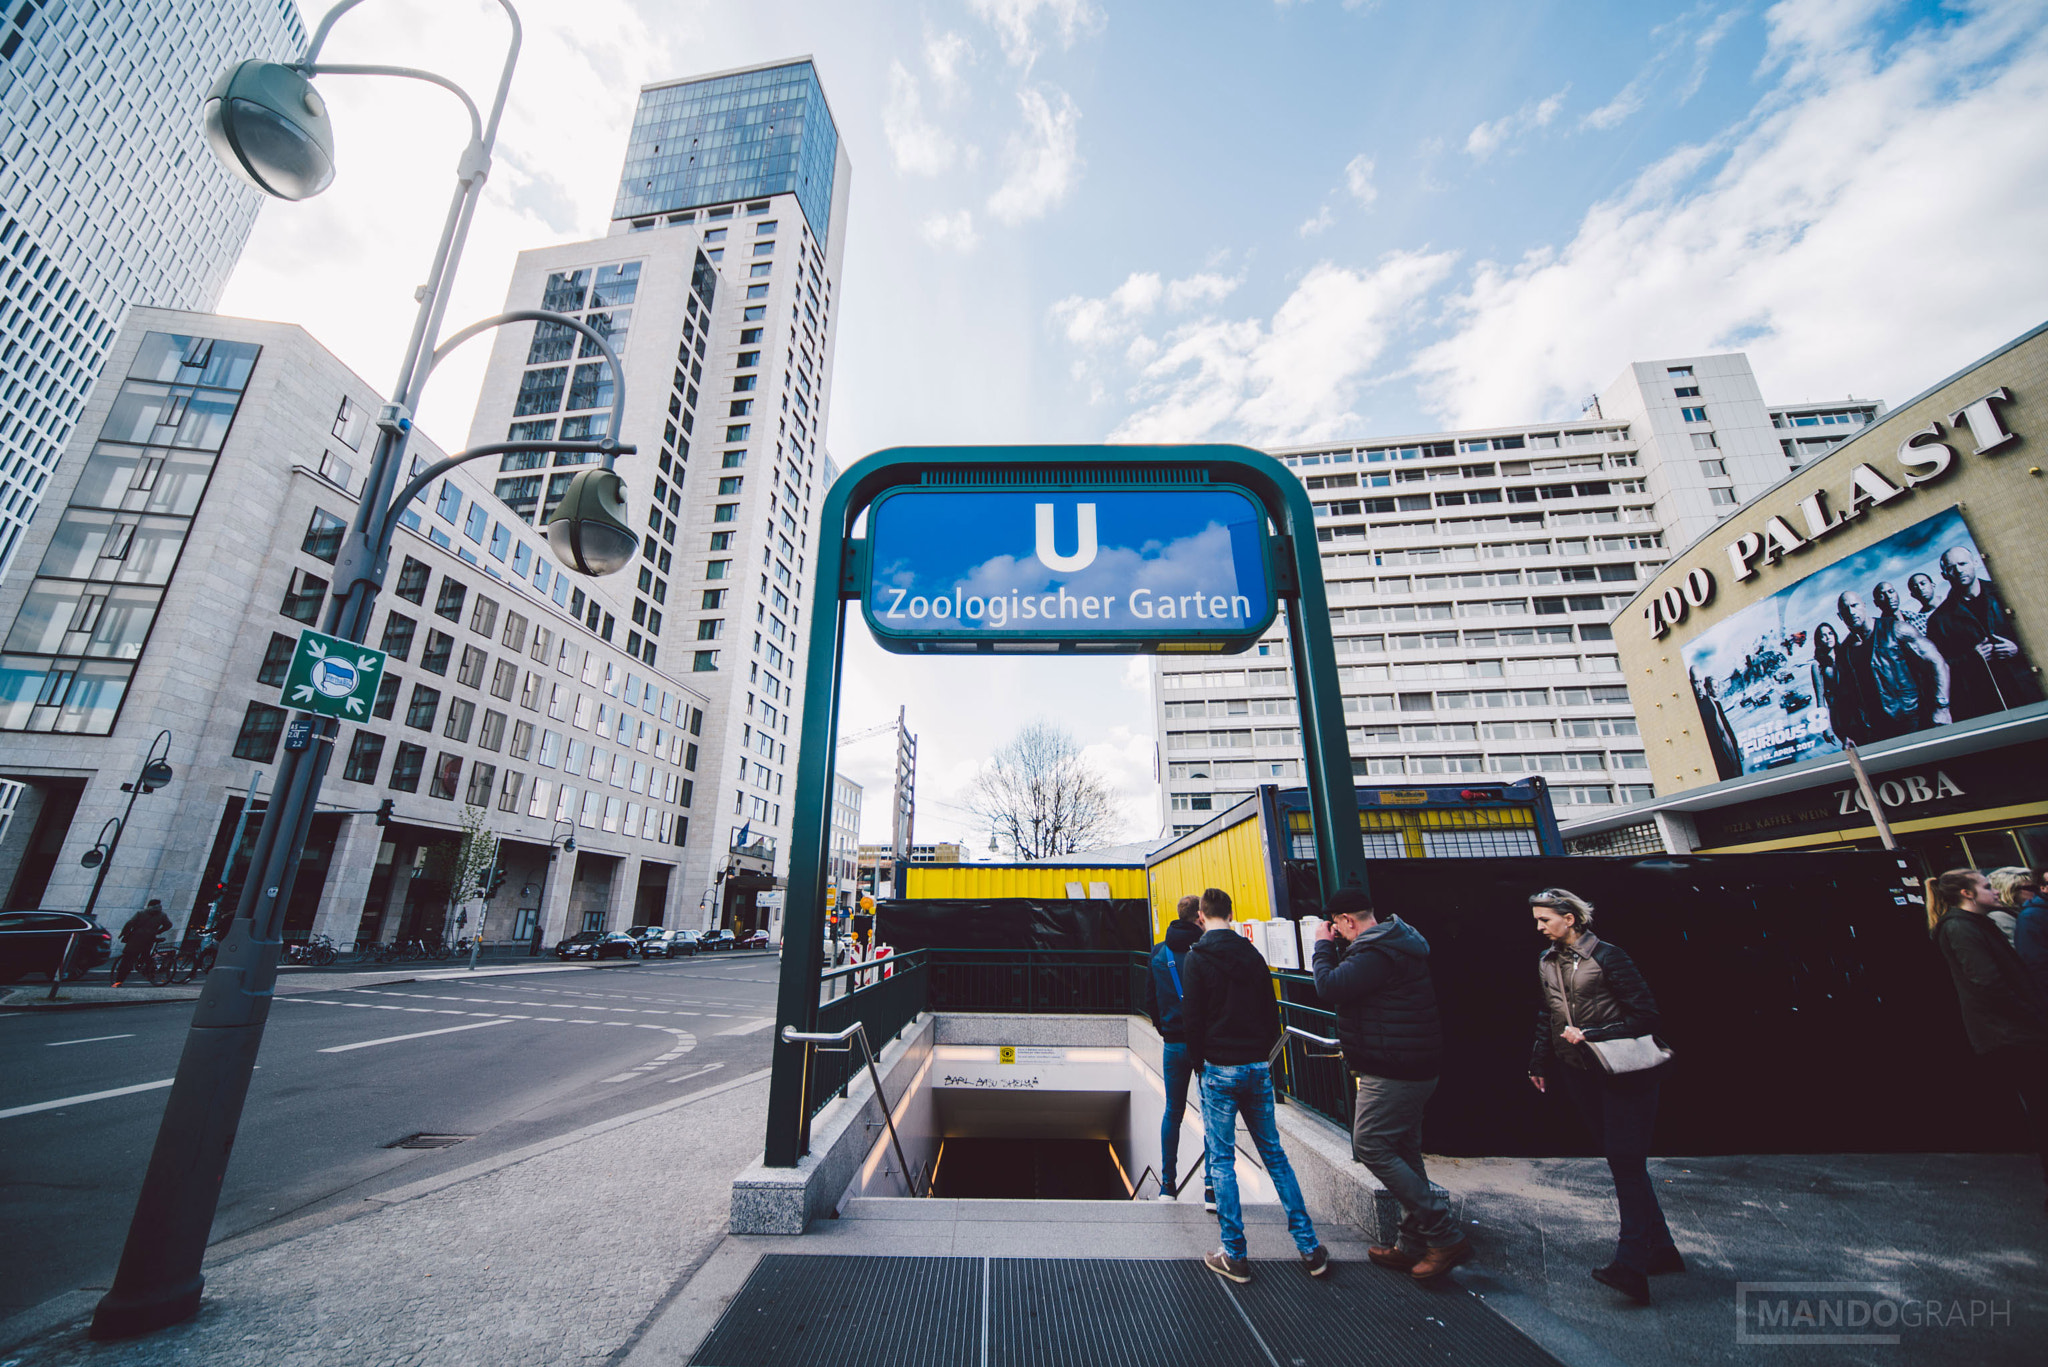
(476, 121)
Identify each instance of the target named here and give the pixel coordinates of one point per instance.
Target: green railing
(885, 997)
(1307, 1073)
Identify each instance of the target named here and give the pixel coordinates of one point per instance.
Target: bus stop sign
(1120, 570)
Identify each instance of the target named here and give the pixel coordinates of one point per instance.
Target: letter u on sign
(1084, 552)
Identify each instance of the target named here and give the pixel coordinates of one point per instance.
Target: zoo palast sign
(1924, 457)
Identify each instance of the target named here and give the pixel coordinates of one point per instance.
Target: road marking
(421, 1034)
(59, 1044)
(81, 1100)
(748, 1027)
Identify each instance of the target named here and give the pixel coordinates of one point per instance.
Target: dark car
(658, 941)
(757, 940)
(716, 939)
(598, 944)
(33, 942)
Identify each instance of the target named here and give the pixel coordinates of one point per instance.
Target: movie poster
(1903, 635)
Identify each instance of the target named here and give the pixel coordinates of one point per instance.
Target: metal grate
(1073, 1312)
(1359, 1314)
(795, 1311)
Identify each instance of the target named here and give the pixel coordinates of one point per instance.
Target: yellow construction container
(1230, 852)
(989, 882)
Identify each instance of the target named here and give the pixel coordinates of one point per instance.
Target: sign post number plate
(1027, 570)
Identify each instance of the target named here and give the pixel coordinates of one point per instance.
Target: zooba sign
(1924, 457)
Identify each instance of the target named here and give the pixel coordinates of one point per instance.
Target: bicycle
(161, 966)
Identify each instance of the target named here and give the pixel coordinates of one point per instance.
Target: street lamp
(269, 126)
(155, 773)
(540, 912)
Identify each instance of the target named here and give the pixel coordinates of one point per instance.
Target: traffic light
(384, 812)
(497, 881)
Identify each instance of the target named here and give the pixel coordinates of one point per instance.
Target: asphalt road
(343, 1075)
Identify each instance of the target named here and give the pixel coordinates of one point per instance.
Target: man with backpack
(1163, 1004)
(1231, 1023)
(1375, 975)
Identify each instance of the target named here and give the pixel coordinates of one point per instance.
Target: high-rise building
(1473, 580)
(718, 285)
(108, 198)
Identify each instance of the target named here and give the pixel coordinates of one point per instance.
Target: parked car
(598, 944)
(659, 940)
(716, 939)
(33, 942)
(757, 940)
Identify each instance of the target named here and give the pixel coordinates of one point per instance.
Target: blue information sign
(1021, 569)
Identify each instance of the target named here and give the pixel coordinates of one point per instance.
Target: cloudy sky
(1271, 222)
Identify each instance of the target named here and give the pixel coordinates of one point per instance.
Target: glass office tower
(108, 197)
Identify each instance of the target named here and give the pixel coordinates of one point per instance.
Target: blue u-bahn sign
(1032, 569)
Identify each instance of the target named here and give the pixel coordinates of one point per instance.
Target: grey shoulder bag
(1637, 1054)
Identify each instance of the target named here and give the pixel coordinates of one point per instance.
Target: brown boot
(1399, 1259)
(1438, 1261)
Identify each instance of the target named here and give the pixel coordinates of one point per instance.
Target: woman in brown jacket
(2006, 1020)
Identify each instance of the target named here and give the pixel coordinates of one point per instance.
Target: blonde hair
(2004, 880)
(1566, 904)
(1945, 894)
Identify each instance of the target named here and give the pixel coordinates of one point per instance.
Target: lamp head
(269, 126)
(93, 857)
(569, 845)
(155, 774)
(588, 529)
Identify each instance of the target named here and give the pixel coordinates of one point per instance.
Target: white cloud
(1044, 160)
(1139, 293)
(954, 231)
(1488, 138)
(1626, 102)
(1294, 379)
(1014, 22)
(1802, 33)
(1358, 180)
(1324, 217)
(1204, 288)
(1806, 235)
(944, 56)
(917, 145)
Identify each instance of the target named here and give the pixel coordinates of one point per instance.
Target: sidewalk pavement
(583, 1250)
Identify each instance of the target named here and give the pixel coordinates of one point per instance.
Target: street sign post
(333, 677)
(1029, 569)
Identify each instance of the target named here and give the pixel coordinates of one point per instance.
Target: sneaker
(1399, 1259)
(1164, 1196)
(1438, 1261)
(1238, 1270)
(1626, 1280)
(1664, 1260)
(1317, 1262)
(1209, 1200)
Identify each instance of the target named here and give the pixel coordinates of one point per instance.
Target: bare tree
(1042, 798)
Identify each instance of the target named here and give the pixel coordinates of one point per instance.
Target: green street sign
(333, 677)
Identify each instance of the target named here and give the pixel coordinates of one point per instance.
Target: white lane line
(421, 1034)
(59, 1044)
(81, 1100)
(748, 1027)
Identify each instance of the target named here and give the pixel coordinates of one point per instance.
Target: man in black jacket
(1232, 1026)
(1375, 975)
(1163, 1004)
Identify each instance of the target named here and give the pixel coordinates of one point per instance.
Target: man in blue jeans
(1162, 1004)
(1231, 1024)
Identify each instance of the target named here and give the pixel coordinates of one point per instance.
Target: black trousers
(1621, 1113)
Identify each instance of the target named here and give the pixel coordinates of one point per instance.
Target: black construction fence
(1807, 1008)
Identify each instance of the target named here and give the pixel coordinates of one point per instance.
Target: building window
(449, 505)
(277, 660)
(540, 391)
(1686, 391)
(1705, 441)
(323, 535)
(505, 680)
(1679, 372)
(1693, 414)
(471, 673)
(1722, 498)
(349, 421)
(398, 631)
(365, 753)
(419, 714)
(434, 659)
(461, 713)
(514, 638)
(522, 739)
(474, 525)
(482, 779)
(720, 512)
(710, 628)
(406, 764)
(387, 697)
(262, 724)
(508, 794)
(483, 617)
(449, 604)
(705, 661)
(303, 597)
(492, 734)
(1714, 468)
(412, 582)
(447, 777)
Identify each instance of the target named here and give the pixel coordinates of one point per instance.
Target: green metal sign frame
(842, 573)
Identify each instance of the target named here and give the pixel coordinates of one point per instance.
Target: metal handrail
(1333, 1048)
(839, 1042)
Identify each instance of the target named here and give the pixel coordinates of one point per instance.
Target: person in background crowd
(1591, 990)
(1163, 1004)
(1375, 974)
(2030, 935)
(1911, 676)
(138, 938)
(1974, 629)
(2014, 885)
(1232, 1024)
(2002, 1012)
